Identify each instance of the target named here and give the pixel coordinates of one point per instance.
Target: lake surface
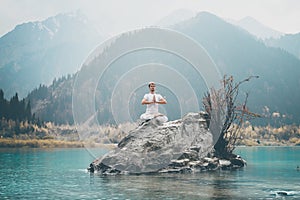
(62, 174)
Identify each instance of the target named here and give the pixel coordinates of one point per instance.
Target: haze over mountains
(256, 28)
(288, 42)
(36, 53)
(175, 17)
(237, 53)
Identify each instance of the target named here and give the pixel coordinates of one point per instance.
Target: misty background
(42, 49)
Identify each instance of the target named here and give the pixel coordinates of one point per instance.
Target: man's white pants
(160, 117)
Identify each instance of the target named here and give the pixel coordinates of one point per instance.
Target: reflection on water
(209, 185)
(61, 174)
(269, 171)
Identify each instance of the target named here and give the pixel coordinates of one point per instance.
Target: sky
(122, 15)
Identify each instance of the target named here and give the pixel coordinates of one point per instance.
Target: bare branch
(226, 115)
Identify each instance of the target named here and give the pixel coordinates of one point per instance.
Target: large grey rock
(176, 146)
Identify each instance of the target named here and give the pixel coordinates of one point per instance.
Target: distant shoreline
(255, 142)
(49, 143)
(53, 143)
(49, 135)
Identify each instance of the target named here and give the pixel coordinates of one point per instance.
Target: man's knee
(162, 118)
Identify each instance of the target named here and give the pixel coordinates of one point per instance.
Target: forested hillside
(274, 95)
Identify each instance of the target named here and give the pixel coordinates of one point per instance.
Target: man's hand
(161, 101)
(144, 101)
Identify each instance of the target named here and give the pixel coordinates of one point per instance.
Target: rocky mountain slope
(37, 52)
(234, 51)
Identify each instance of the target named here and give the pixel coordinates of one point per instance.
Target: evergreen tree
(2, 104)
(13, 107)
(28, 115)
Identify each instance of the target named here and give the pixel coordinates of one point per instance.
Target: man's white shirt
(152, 108)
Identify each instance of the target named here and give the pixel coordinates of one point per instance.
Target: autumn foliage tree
(226, 115)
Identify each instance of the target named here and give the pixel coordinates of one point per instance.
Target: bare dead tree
(226, 115)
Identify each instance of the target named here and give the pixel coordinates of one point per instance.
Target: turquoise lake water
(61, 174)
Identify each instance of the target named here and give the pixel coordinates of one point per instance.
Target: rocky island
(181, 146)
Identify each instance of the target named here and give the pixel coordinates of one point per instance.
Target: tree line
(56, 100)
(16, 118)
(15, 109)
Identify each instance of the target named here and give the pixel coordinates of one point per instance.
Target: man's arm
(161, 100)
(144, 101)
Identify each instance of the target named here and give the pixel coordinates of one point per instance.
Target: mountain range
(35, 53)
(240, 54)
(256, 28)
(175, 17)
(288, 42)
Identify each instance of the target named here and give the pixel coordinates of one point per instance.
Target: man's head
(151, 86)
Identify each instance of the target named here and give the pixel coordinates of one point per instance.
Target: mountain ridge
(237, 53)
(257, 29)
(44, 50)
(288, 42)
(240, 54)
